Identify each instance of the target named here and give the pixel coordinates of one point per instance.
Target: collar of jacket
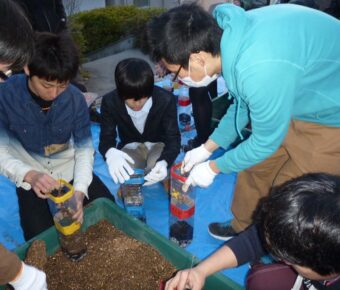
(235, 24)
(156, 104)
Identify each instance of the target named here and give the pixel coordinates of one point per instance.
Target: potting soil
(73, 246)
(181, 233)
(113, 261)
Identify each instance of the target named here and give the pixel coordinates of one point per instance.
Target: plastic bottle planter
(185, 119)
(133, 196)
(63, 206)
(182, 209)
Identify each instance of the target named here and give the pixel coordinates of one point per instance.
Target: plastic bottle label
(67, 230)
(181, 213)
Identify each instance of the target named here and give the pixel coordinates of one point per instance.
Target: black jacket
(45, 15)
(160, 126)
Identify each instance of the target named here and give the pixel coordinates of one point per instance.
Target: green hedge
(99, 27)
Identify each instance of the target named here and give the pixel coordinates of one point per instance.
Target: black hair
(300, 222)
(181, 31)
(16, 36)
(134, 79)
(56, 57)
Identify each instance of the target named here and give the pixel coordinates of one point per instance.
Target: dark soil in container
(60, 191)
(73, 246)
(181, 233)
(113, 261)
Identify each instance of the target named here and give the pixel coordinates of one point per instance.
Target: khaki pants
(143, 157)
(10, 265)
(308, 147)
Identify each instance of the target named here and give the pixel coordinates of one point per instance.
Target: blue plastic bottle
(132, 194)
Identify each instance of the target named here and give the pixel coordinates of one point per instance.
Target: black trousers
(35, 216)
(201, 100)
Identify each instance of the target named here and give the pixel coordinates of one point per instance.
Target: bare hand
(41, 183)
(187, 279)
(79, 215)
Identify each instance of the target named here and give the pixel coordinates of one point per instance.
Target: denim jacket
(57, 142)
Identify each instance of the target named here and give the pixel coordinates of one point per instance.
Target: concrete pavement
(101, 71)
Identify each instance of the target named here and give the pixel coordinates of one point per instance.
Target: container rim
(176, 175)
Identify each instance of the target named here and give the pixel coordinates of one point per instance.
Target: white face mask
(202, 83)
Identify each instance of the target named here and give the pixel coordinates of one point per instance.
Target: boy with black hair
(283, 84)
(145, 117)
(45, 133)
(299, 224)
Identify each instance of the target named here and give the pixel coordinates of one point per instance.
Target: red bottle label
(181, 213)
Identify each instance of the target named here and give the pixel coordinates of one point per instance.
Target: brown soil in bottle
(57, 192)
(73, 246)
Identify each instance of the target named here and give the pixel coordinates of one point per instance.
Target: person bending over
(285, 87)
(299, 225)
(45, 133)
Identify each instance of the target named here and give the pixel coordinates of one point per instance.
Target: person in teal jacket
(281, 64)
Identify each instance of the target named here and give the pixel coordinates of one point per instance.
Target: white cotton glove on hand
(194, 157)
(157, 174)
(30, 278)
(117, 162)
(201, 175)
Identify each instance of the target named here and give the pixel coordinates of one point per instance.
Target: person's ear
(198, 57)
(26, 70)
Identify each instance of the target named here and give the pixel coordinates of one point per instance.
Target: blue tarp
(212, 204)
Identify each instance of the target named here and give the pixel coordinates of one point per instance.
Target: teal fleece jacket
(280, 63)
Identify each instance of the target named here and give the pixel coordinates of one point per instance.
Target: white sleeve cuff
(82, 188)
(20, 175)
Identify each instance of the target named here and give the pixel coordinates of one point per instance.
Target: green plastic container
(104, 209)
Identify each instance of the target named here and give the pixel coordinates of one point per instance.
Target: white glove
(117, 162)
(194, 157)
(158, 173)
(30, 278)
(201, 175)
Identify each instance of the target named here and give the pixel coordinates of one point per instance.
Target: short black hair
(181, 31)
(16, 36)
(300, 222)
(56, 57)
(134, 79)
